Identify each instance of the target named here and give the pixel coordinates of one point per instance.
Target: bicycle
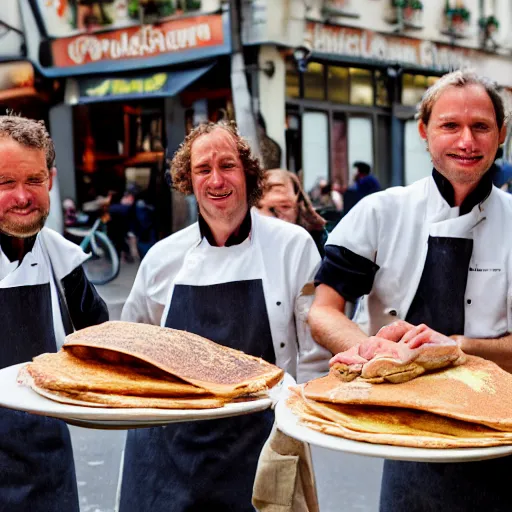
(103, 265)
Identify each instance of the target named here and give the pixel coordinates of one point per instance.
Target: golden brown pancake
(478, 391)
(92, 399)
(220, 370)
(66, 373)
(383, 425)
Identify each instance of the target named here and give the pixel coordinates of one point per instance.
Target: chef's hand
(395, 331)
(421, 334)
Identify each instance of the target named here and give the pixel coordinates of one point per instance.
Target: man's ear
(53, 173)
(422, 129)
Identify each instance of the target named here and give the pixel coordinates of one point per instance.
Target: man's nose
(22, 196)
(466, 139)
(216, 178)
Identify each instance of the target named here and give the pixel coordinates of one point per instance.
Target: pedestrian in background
(364, 185)
(284, 198)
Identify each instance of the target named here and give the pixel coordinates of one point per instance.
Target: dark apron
(37, 472)
(451, 487)
(205, 465)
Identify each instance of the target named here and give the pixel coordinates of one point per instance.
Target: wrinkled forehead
(219, 140)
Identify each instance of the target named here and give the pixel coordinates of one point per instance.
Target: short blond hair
(461, 78)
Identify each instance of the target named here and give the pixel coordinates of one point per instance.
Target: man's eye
(481, 126)
(6, 182)
(450, 126)
(36, 181)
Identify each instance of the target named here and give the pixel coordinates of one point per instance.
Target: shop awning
(155, 85)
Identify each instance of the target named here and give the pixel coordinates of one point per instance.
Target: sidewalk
(116, 292)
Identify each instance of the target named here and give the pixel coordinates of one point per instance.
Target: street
(344, 482)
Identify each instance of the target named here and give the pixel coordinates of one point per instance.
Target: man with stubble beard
(36, 460)
(235, 277)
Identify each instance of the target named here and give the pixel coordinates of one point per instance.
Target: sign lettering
(139, 42)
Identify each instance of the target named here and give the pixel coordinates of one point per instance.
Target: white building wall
(272, 96)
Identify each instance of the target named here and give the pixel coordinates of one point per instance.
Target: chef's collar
(8, 248)
(237, 237)
(477, 196)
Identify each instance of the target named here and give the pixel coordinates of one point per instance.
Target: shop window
(361, 87)
(360, 140)
(414, 86)
(314, 82)
(292, 80)
(338, 84)
(381, 89)
(315, 148)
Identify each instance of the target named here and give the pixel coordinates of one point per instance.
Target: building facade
(349, 73)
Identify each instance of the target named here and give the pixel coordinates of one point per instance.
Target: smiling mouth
(219, 195)
(465, 158)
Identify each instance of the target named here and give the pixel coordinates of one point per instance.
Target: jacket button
(393, 312)
(469, 301)
(282, 345)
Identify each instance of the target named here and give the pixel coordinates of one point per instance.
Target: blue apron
(451, 487)
(37, 471)
(205, 465)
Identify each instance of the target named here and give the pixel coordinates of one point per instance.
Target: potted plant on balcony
(456, 18)
(488, 26)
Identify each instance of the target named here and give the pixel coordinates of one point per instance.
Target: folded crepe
(122, 364)
(478, 391)
(399, 427)
(463, 406)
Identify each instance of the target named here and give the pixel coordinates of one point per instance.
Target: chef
(237, 278)
(40, 272)
(436, 252)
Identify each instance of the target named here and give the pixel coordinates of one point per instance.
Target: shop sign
(64, 18)
(152, 84)
(140, 42)
(365, 44)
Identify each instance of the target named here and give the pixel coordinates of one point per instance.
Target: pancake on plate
(123, 364)
(463, 406)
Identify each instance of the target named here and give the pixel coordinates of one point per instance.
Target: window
(414, 86)
(314, 82)
(338, 84)
(361, 87)
(292, 80)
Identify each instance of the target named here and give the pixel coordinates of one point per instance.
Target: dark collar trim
(480, 194)
(8, 249)
(236, 238)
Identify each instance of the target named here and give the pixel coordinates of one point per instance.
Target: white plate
(16, 396)
(288, 423)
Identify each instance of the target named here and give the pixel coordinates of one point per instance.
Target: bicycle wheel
(103, 265)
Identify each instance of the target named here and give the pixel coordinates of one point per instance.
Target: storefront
(355, 101)
(135, 80)
(350, 93)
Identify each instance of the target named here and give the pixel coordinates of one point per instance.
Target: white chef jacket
(282, 255)
(35, 269)
(392, 228)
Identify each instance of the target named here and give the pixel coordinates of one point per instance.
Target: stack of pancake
(463, 406)
(123, 364)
